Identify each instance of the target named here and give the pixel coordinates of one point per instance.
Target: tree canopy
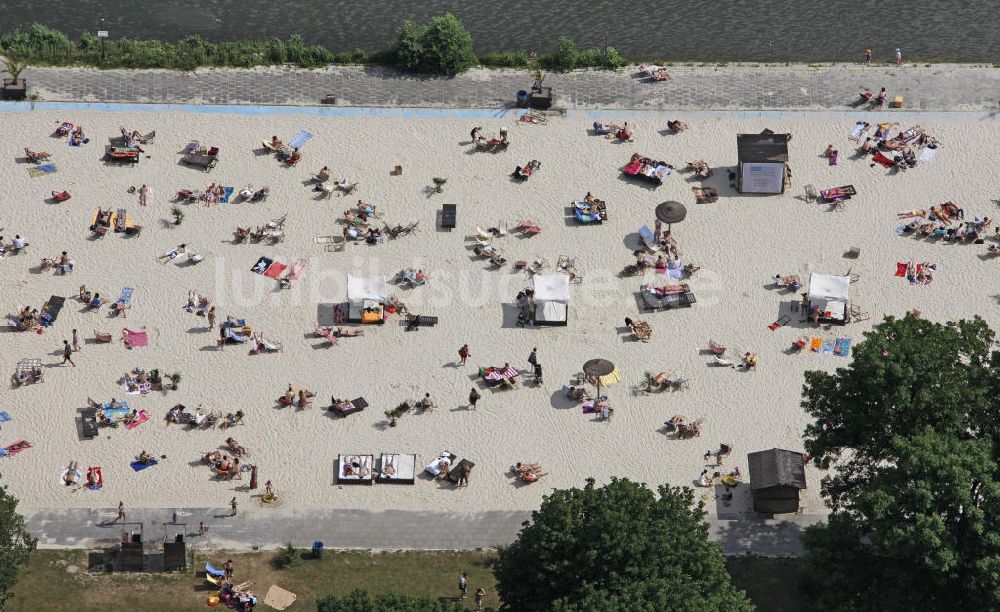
(616, 547)
(442, 46)
(910, 430)
(359, 601)
(16, 544)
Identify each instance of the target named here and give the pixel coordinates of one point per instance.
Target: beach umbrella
(597, 369)
(670, 212)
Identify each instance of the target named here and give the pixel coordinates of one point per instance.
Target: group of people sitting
(937, 224)
(63, 264)
(179, 414)
(139, 380)
(613, 130)
(676, 126)
(493, 144)
(27, 318)
(700, 168)
(300, 398)
(16, 245)
(223, 465)
(877, 101)
(528, 472)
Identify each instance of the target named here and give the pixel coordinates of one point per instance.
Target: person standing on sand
(533, 357)
(67, 353)
(868, 56)
(233, 504)
(76, 341)
(463, 353)
(473, 398)
(463, 476)
(211, 317)
(143, 194)
(121, 512)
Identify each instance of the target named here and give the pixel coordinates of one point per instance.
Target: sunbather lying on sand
(72, 475)
(676, 126)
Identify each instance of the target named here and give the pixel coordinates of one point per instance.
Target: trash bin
(522, 99)
(317, 549)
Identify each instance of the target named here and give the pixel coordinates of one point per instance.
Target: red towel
(900, 269)
(275, 270)
(883, 160)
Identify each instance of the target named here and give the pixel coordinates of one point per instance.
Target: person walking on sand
(899, 56)
(67, 353)
(480, 593)
(463, 353)
(463, 586)
(121, 512)
(143, 194)
(868, 56)
(533, 357)
(210, 315)
(463, 476)
(232, 505)
(76, 341)
(473, 398)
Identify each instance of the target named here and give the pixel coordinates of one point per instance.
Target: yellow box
(897, 102)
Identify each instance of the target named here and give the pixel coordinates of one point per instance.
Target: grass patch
(430, 574)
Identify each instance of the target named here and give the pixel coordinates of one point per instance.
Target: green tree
(359, 601)
(442, 46)
(910, 429)
(16, 544)
(616, 547)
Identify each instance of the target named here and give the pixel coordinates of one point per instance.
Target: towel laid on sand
(142, 417)
(138, 467)
(41, 170)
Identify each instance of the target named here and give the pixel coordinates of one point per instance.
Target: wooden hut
(776, 477)
(763, 162)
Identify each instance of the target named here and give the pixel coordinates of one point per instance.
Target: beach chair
(811, 194)
(646, 238)
(449, 216)
(528, 227)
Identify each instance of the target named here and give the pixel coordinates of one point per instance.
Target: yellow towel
(614, 377)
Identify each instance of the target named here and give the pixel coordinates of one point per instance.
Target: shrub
(590, 58)
(614, 58)
(285, 557)
(442, 46)
(565, 57)
(506, 59)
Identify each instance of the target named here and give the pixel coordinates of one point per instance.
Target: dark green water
(713, 30)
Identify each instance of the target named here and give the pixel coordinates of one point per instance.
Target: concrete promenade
(942, 87)
(360, 529)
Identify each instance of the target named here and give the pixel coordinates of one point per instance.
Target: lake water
(719, 30)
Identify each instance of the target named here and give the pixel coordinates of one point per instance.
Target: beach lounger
(355, 469)
(449, 216)
(355, 405)
(415, 322)
(679, 297)
(88, 423)
(51, 309)
(646, 237)
(456, 470)
(397, 468)
(205, 161)
(434, 467)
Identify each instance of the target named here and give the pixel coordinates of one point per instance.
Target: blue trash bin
(522, 99)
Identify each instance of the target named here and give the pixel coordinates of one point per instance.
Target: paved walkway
(798, 87)
(388, 530)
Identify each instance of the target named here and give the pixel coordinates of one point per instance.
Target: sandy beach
(739, 242)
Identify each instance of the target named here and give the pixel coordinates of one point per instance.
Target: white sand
(740, 242)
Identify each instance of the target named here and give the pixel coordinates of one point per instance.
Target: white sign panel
(763, 178)
(102, 33)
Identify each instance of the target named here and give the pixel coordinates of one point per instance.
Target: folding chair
(811, 194)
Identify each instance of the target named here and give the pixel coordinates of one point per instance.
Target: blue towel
(843, 348)
(138, 467)
(4, 416)
(228, 192)
(126, 295)
(300, 139)
(827, 349)
(112, 413)
(210, 570)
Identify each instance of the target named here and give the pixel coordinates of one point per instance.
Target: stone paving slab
(359, 529)
(944, 87)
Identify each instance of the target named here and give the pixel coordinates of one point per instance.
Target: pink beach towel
(275, 270)
(133, 339)
(298, 269)
(142, 417)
